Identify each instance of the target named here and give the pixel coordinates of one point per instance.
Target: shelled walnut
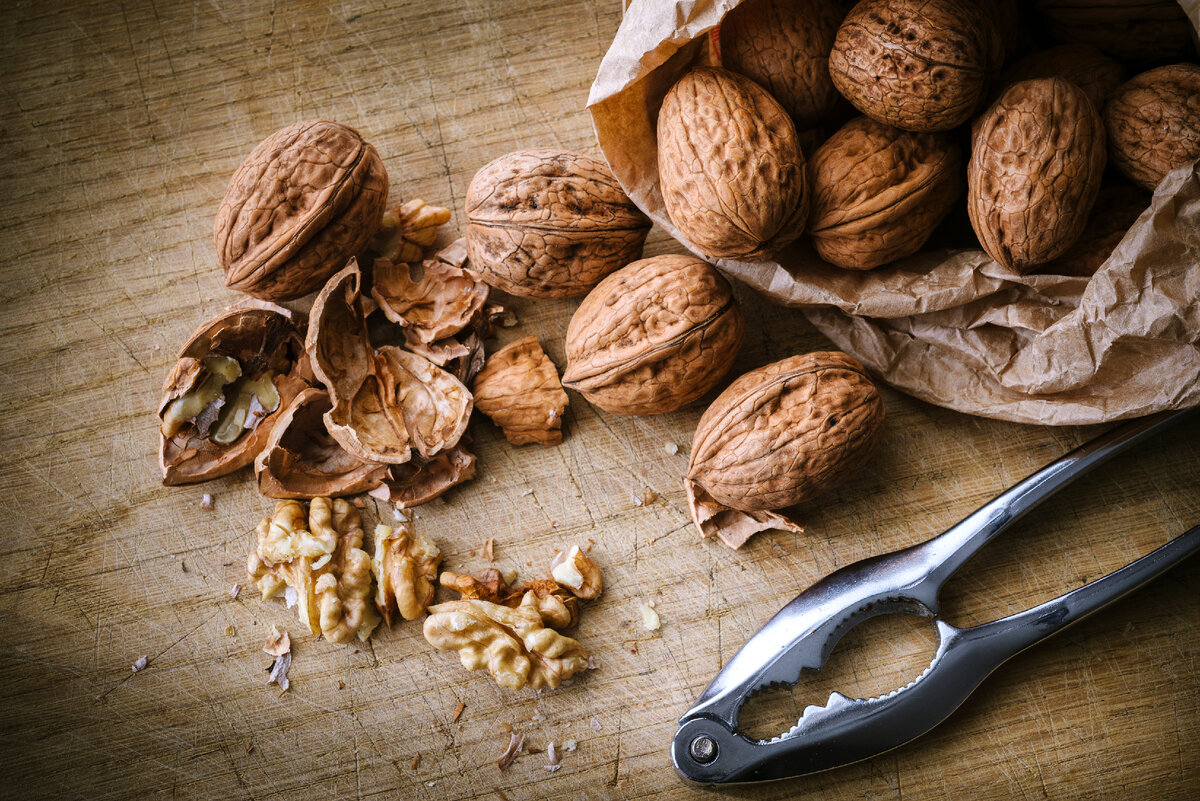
(405, 567)
(579, 574)
(558, 606)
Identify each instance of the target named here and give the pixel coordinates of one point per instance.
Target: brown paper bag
(951, 327)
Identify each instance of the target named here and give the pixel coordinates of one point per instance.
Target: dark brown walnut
(653, 336)
(783, 45)
(304, 201)
(549, 223)
(220, 402)
(420, 480)
(519, 389)
(1037, 157)
(301, 460)
(878, 192)
(920, 65)
(1142, 31)
(784, 433)
(1083, 65)
(431, 300)
(1153, 123)
(1117, 208)
(730, 167)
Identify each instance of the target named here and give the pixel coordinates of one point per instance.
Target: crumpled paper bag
(952, 327)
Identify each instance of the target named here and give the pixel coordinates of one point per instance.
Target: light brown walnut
(1153, 123)
(405, 567)
(519, 389)
(653, 336)
(557, 605)
(574, 570)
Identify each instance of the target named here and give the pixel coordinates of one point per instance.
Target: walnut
(519, 389)
(1153, 123)
(1037, 157)
(405, 231)
(405, 567)
(730, 167)
(653, 336)
(513, 644)
(420, 480)
(317, 554)
(303, 202)
(556, 604)
(1117, 209)
(549, 223)
(1083, 65)
(579, 574)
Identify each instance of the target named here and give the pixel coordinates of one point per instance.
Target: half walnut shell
(222, 399)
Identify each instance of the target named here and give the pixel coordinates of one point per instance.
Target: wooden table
(121, 123)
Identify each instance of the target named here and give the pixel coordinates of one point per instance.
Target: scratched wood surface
(121, 123)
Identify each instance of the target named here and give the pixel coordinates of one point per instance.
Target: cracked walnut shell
(303, 202)
(1153, 123)
(653, 336)
(548, 223)
(519, 389)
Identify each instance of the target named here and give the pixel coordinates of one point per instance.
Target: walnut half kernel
(405, 568)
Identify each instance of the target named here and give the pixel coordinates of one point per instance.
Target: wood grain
(121, 123)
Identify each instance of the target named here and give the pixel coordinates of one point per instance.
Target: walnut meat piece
(878, 192)
(548, 223)
(730, 167)
(519, 389)
(405, 567)
(511, 644)
(557, 605)
(405, 231)
(303, 202)
(653, 336)
(1153, 123)
(579, 574)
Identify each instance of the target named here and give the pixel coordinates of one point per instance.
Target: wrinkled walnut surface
(729, 166)
(405, 568)
(1083, 65)
(783, 433)
(550, 223)
(1153, 123)
(1036, 162)
(653, 336)
(438, 304)
(519, 389)
(556, 604)
(305, 200)
(878, 192)
(1117, 208)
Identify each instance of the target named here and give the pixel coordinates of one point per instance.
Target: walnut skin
(549, 223)
(730, 167)
(783, 45)
(1145, 31)
(920, 65)
(1083, 65)
(878, 192)
(1153, 123)
(303, 202)
(1036, 162)
(519, 389)
(783, 433)
(653, 336)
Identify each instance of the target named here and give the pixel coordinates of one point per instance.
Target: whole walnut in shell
(878, 192)
(303, 202)
(920, 65)
(1117, 208)
(784, 433)
(653, 336)
(783, 45)
(730, 167)
(1083, 65)
(1142, 31)
(548, 223)
(1153, 123)
(1036, 162)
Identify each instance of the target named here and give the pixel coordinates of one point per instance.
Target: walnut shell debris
(548, 223)
(920, 65)
(653, 336)
(430, 301)
(1037, 157)
(304, 201)
(1153, 123)
(878, 192)
(519, 389)
(1083, 65)
(730, 167)
(420, 480)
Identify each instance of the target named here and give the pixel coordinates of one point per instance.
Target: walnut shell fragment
(1153, 123)
(733, 527)
(549, 223)
(879, 192)
(730, 167)
(430, 301)
(1037, 157)
(786, 432)
(304, 201)
(420, 480)
(519, 389)
(405, 568)
(653, 336)
(222, 399)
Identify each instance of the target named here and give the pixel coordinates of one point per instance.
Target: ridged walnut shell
(783, 45)
(1117, 208)
(548, 223)
(1153, 123)
(1037, 156)
(303, 202)
(730, 167)
(786, 432)
(920, 65)
(878, 192)
(1142, 31)
(653, 336)
(1083, 65)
